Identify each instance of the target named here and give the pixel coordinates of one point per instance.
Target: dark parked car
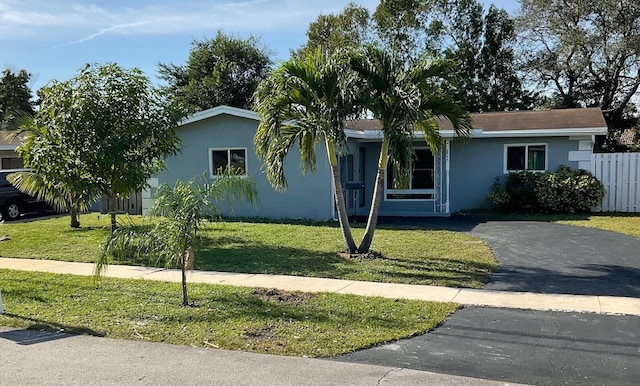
(13, 202)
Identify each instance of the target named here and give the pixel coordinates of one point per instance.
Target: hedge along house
(458, 177)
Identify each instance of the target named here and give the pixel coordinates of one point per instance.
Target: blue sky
(52, 39)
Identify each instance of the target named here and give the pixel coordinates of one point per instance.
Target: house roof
(588, 121)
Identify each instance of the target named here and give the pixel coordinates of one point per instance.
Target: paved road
(29, 357)
(546, 257)
(530, 347)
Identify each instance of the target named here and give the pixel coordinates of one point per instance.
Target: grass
(316, 325)
(412, 256)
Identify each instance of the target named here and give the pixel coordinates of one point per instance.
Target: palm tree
(305, 101)
(66, 186)
(404, 98)
(180, 214)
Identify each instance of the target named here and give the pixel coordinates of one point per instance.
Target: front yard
(408, 255)
(235, 318)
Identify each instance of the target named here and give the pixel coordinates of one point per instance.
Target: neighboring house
(457, 178)
(9, 159)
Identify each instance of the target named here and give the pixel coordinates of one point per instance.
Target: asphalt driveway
(529, 347)
(546, 257)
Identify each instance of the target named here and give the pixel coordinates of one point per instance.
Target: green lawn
(408, 255)
(317, 325)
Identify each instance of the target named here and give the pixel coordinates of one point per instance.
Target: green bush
(568, 191)
(515, 192)
(563, 191)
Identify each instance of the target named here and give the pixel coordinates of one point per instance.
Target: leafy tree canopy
(15, 96)
(329, 33)
(482, 43)
(108, 125)
(224, 70)
(586, 51)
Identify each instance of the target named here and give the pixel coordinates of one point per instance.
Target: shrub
(515, 192)
(563, 191)
(568, 191)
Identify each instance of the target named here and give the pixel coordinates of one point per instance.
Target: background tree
(404, 98)
(330, 33)
(180, 213)
(108, 125)
(401, 26)
(224, 70)
(15, 96)
(586, 51)
(482, 44)
(305, 102)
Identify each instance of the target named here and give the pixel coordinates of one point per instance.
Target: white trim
(447, 170)
(8, 147)
(560, 132)
(373, 135)
(234, 111)
(526, 156)
(228, 149)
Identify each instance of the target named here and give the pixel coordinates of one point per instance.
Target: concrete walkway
(469, 297)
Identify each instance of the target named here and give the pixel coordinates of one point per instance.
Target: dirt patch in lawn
(279, 296)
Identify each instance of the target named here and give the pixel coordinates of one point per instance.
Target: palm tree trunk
(372, 221)
(112, 211)
(73, 212)
(185, 297)
(341, 206)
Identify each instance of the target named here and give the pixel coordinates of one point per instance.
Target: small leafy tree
(180, 213)
(107, 125)
(55, 176)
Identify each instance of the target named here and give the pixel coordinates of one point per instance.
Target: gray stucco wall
(308, 196)
(475, 164)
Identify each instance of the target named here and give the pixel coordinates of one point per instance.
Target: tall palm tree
(305, 101)
(404, 98)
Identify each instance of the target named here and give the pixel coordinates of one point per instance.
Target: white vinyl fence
(620, 174)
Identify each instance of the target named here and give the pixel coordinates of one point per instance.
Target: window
(223, 159)
(525, 157)
(421, 182)
(11, 163)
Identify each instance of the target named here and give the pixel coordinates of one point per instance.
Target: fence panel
(620, 174)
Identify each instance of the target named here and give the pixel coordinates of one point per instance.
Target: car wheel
(11, 211)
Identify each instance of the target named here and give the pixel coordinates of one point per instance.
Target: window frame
(526, 157)
(410, 191)
(228, 150)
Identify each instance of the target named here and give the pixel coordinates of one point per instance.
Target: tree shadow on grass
(234, 254)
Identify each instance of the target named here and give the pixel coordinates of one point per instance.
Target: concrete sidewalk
(471, 297)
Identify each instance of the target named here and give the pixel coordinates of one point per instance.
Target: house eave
(376, 135)
(8, 147)
(220, 110)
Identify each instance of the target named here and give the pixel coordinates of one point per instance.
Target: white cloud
(78, 22)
